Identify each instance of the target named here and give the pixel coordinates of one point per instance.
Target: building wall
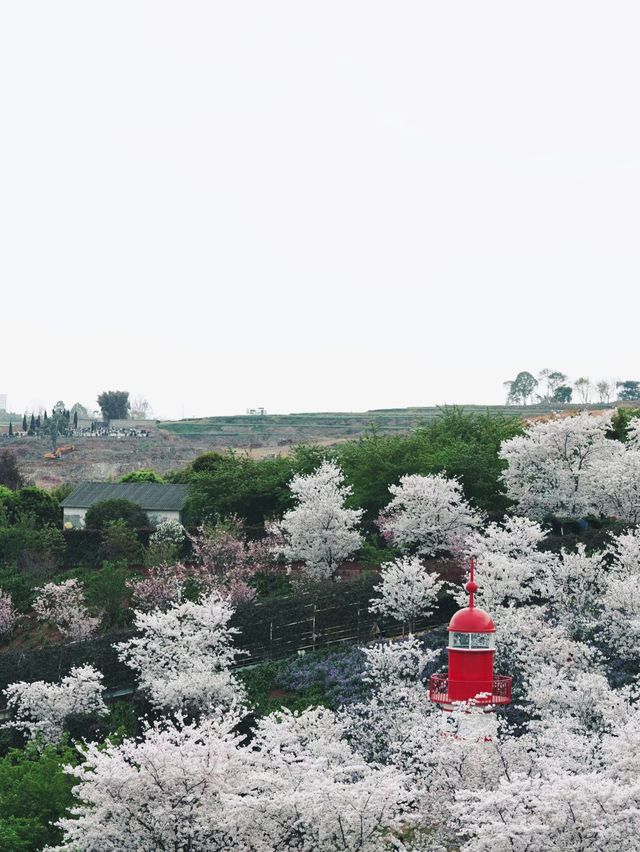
(76, 517)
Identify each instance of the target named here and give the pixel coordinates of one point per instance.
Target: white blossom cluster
(41, 708)
(569, 468)
(427, 514)
(63, 604)
(319, 531)
(182, 655)
(407, 590)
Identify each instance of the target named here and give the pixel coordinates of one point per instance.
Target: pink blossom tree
(224, 560)
(8, 615)
(63, 604)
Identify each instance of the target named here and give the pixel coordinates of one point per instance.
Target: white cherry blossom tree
(427, 514)
(633, 433)
(407, 590)
(548, 468)
(615, 484)
(174, 788)
(41, 708)
(182, 655)
(511, 567)
(319, 531)
(195, 787)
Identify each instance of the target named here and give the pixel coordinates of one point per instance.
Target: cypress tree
(32, 426)
(75, 419)
(24, 423)
(45, 414)
(10, 429)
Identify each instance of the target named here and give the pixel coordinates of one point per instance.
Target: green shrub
(35, 793)
(271, 584)
(107, 590)
(37, 502)
(27, 543)
(620, 422)
(105, 511)
(145, 474)
(120, 543)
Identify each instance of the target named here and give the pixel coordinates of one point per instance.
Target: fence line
(269, 630)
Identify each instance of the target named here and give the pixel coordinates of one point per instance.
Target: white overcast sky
(315, 206)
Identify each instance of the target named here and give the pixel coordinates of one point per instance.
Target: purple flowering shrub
(339, 674)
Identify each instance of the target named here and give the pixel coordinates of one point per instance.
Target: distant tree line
(553, 386)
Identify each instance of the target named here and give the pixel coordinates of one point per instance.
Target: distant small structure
(257, 411)
(161, 502)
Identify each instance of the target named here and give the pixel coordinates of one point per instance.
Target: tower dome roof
(471, 619)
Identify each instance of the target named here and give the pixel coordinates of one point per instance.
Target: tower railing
(440, 689)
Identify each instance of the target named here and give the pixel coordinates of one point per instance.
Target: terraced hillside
(275, 430)
(173, 444)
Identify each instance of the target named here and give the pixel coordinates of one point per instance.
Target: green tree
(142, 475)
(24, 423)
(255, 490)
(562, 394)
(75, 419)
(105, 511)
(207, 462)
(107, 588)
(522, 387)
(463, 445)
(620, 423)
(114, 405)
(37, 502)
(121, 544)
(10, 429)
(10, 475)
(55, 426)
(628, 390)
(553, 378)
(35, 792)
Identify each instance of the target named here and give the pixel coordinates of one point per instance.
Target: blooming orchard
(557, 769)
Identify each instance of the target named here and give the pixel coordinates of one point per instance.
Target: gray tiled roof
(152, 496)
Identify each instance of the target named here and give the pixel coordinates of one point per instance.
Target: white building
(160, 502)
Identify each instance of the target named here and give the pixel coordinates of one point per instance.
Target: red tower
(471, 651)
